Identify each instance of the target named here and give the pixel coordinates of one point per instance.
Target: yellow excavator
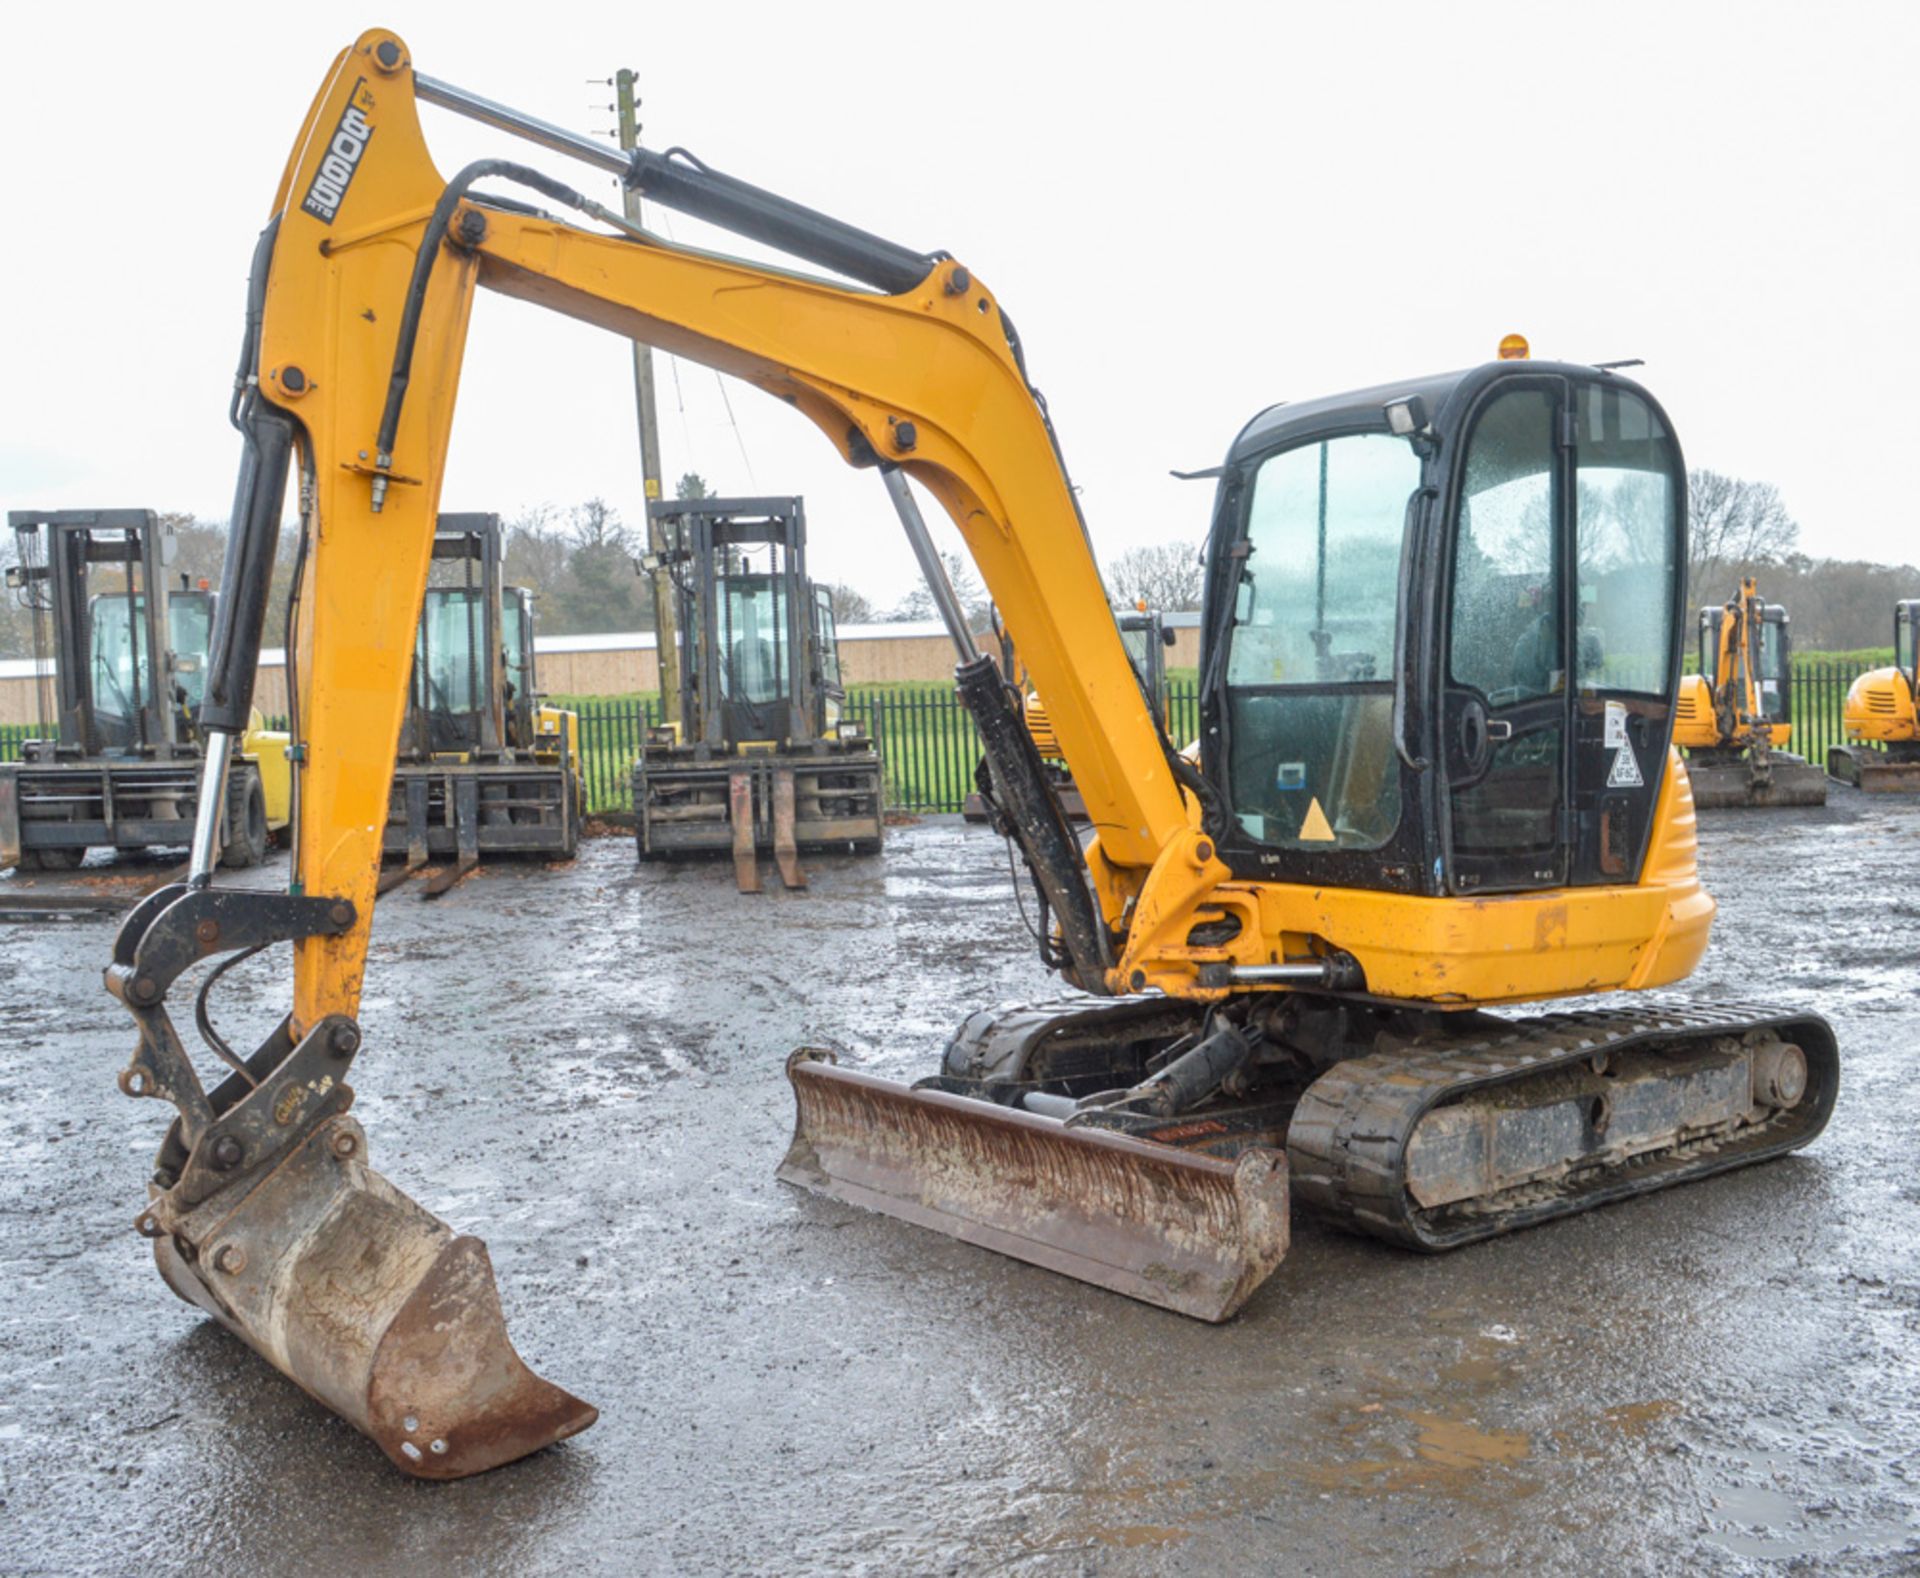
(1417, 801)
(1882, 753)
(1735, 717)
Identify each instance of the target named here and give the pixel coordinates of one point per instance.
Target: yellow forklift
(763, 756)
(1882, 753)
(1735, 717)
(120, 764)
(484, 767)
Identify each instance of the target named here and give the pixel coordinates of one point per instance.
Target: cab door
(1628, 571)
(1505, 712)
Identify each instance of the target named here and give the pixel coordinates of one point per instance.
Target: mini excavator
(1882, 753)
(1735, 717)
(1435, 781)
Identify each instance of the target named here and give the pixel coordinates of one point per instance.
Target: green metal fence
(930, 747)
(1819, 704)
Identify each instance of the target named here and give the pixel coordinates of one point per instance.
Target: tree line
(579, 562)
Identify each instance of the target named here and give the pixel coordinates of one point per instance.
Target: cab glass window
(448, 654)
(189, 632)
(1506, 602)
(1709, 660)
(121, 671)
(1626, 502)
(753, 637)
(1771, 670)
(829, 639)
(1310, 663)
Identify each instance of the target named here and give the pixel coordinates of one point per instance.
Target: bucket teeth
(370, 1303)
(1183, 1231)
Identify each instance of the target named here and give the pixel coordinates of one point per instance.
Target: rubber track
(1347, 1146)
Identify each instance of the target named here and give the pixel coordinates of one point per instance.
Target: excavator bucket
(1188, 1232)
(371, 1305)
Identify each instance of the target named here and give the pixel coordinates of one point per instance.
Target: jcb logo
(329, 187)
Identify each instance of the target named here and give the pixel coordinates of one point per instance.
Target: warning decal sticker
(1625, 772)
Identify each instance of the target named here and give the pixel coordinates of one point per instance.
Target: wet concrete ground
(583, 1065)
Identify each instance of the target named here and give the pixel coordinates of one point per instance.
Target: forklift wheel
(247, 841)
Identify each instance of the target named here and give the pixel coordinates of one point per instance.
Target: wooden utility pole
(665, 637)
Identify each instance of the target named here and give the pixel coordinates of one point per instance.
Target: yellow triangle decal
(1315, 829)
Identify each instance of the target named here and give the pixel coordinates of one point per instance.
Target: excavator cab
(1882, 752)
(1440, 642)
(1772, 653)
(1146, 636)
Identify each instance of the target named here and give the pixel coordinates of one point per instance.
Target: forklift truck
(484, 767)
(120, 764)
(762, 756)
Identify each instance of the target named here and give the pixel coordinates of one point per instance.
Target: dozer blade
(1873, 771)
(371, 1305)
(1187, 1232)
(1724, 785)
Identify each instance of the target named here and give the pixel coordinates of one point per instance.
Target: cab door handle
(1499, 729)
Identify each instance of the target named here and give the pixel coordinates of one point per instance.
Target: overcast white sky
(1191, 212)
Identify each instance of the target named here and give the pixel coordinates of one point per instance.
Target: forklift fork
(786, 852)
(466, 832)
(746, 864)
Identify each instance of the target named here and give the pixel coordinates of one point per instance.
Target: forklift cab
(473, 661)
(121, 669)
(761, 653)
(97, 585)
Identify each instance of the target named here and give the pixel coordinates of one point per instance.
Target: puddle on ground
(1453, 1443)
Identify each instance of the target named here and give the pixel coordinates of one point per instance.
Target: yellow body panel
(267, 749)
(861, 366)
(1500, 948)
(1880, 708)
(558, 725)
(1693, 721)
